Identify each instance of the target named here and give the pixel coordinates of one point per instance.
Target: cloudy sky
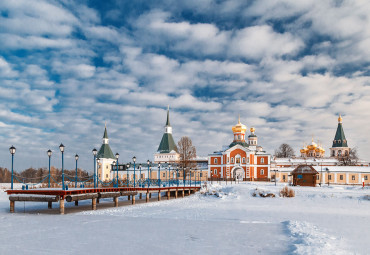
(287, 67)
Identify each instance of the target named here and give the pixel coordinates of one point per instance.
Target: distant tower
(252, 138)
(340, 146)
(167, 149)
(106, 157)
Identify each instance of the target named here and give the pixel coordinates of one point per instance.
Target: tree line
(35, 175)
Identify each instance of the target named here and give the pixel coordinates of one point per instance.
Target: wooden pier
(58, 195)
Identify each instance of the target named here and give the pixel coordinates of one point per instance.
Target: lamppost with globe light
(134, 159)
(117, 156)
(159, 174)
(127, 167)
(61, 148)
(148, 172)
(94, 152)
(97, 172)
(76, 158)
(12, 151)
(49, 152)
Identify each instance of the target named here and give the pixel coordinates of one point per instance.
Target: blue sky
(287, 67)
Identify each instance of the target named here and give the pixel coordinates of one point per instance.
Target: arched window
(215, 160)
(262, 171)
(243, 160)
(232, 160)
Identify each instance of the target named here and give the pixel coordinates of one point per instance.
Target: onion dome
(252, 132)
(304, 149)
(239, 128)
(340, 119)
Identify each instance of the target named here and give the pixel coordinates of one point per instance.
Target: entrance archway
(238, 173)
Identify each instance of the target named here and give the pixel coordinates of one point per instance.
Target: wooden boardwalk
(58, 195)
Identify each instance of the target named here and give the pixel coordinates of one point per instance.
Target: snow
(218, 220)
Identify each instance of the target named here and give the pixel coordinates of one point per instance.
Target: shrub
(287, 192)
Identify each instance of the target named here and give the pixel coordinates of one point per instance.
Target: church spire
(340, 138)
(168, 117)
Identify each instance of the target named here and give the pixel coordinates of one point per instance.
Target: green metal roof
(168, 118)
(340, 138)
(105, 133)
(167, 144)
(244, 144)
(105, 152)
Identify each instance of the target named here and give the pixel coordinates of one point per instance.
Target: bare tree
(187, 153)
(350, 159)
(284, 151)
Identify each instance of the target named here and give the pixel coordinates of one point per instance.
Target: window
(201, 174)
(365, 177)
(215, 160)
(164, 175)
(232, 160)
(329, 177)
(243, 160)
(237, 160)
(353, 177)
(215, 171)
(341, 177)
(262, 171)
(262, 160)
(284, 177)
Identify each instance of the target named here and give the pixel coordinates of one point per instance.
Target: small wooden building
(304, 175)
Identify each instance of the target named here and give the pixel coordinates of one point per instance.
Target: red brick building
(241, 160)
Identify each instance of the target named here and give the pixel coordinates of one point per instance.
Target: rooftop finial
(239, 119)
(340, 118)
(168, 116)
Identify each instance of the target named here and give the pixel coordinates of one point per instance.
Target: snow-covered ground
(224, 220)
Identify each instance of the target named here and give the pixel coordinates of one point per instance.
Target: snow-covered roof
(348, 169)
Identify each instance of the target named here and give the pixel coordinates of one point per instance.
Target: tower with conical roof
(340, 146)
(106, 157)
(167, 149)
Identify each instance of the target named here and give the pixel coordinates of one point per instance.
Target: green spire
(167, 144)
(105, 132)
(168, 116)
(340, 138)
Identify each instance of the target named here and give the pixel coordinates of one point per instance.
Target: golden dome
(239, 128)
(252, 129)
(340, 119)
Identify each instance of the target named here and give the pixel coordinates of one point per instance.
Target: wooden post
(12, 206)
(147, 197)
(76, 203)
(115, 199)
(183, 193)
(168, 195)
(133, 200)
(50, 205)
(128, 197)
(61, 205)
(141, 196)
(176, 194)
(93, 204)
(159, 196)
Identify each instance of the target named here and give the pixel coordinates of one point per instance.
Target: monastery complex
(244, 159)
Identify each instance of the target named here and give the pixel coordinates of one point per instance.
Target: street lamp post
(141, 181)
(97, 172)
(94, 151)
(148, 172)
(127, 167)
(159, 174)
(183, 175)
(117, 156)
(190, 176)
(169, 175)
(76, 157)
(134, 159)
(61, 147)
(49, 152)
(327, 170)
(275, 170)
(321, 175)
(177, 176)
(12, 151)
